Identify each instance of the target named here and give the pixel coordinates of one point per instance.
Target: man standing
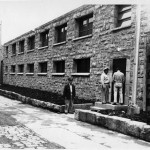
(69, 95)
(118, 79)
(105, 86)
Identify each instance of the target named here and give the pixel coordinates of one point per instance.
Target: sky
(20, 16)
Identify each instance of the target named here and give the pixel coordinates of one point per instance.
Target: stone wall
(101, 47)
(143, 51)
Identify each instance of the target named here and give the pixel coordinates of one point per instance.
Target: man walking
(105, 86)
(118, 79)
(69, 95)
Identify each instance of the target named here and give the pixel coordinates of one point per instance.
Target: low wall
(42, 104)
(123, 125)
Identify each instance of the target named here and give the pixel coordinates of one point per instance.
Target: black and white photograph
(75, 74)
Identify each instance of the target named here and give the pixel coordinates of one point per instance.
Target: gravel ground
(14, 135)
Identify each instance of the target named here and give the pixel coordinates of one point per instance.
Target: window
(21, 68)
(43, 67)
(59, 66)
(13, 68)
(30, 68)
(31, 42)
(61, 33)
(21, 46)
(85, 25)
(6, 51)
(82, 65)
(124, 15)
(6, 69)
(14, 49)
(44, 39)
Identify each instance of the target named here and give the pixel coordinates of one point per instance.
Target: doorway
(148, 83)
(1, 72)
(118, 63)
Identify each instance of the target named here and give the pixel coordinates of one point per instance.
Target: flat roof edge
(48, 23)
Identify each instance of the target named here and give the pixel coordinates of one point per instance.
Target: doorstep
(110, 106)
(97, 109)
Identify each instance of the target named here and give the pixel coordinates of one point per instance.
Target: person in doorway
(105, 81)
(69, 96)
(118, 80)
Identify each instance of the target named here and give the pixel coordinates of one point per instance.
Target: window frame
(31, 42)
(123, 15)
(21, 68)
(29, 68)
(6, 69)
(44, 38)
(21, 46)
(14, 48)
(13, 69)
(87, 29)
(40, 67)
(61, 36)
(59, 66)
(81, 65)
(6, 49)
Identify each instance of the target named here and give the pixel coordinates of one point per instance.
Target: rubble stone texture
(20, 137)
(98, 47)
(126, 126)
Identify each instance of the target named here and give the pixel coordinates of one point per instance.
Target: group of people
(69, 92)
(118, 81)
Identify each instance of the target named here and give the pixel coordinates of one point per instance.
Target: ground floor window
(59, 66)
(82, 65)
(30, 68)
(43, 67)
(6, 69)
(21, 68)
(13, 68)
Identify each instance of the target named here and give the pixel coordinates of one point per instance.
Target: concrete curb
(42, 104)
(126, 126)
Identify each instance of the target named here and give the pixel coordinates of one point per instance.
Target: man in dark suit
(69, 94)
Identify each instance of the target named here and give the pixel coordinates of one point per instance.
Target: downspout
(145, 72)
(135, 73)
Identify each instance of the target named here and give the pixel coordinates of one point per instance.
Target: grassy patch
(46, 96)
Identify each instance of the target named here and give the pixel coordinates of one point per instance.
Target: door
(121, 64)
(148, 83)
(1, 72)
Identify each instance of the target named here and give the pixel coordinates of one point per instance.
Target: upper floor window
(43, 67)
(44, 38)
(85, 25)
(21, 46)
(123, 15)
(6, 51)
(31, 42)
(61, 33)
(13, 68)
(30, 68)
(21, 68)
(14, 49)
(82, 65)
(59, 66)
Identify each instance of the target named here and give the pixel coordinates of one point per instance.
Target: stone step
(110, 106)
(97, 109)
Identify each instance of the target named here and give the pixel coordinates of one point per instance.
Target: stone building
(1, 58)
(81, 43)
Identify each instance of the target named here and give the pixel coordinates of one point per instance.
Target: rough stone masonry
(100, 47)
